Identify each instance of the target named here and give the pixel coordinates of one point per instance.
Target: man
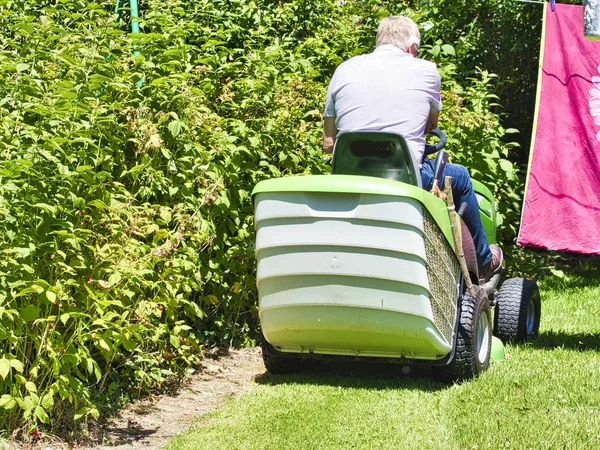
(391, 89)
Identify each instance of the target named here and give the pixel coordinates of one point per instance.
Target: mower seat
(378, 154)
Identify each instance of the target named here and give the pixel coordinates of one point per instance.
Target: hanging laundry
(591, 18)
(561, 210)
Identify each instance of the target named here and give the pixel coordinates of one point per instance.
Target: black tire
(276, 362)
(517, 316)
(473, 340)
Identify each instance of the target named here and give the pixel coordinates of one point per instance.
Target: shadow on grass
(359, 375)
(579, 272)
(552, 340)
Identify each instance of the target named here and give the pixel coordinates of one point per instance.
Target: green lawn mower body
(361, 263)
(342, 267)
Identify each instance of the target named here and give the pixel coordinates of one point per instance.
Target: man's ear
(413, 50)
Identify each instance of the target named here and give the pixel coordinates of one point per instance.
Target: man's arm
(436, 101)
(432, 121)
(330, 131)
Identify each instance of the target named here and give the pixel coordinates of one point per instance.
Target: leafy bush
(125, 180)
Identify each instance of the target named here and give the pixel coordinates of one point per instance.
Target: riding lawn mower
(363, 264)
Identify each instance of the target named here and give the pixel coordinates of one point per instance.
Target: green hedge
(127, 238)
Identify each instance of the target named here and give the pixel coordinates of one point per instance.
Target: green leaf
(103, 345)
(138, 168)
(41, 415)
(16, 364)
(114, 279)
(254, 141)
(165, 215)
(30, 313)
(159, 81)
(160, 234)
(34, 398)
(7, 402)
(174, 340)
(51, 296)
(98, 204)
(81, 413)
(174, 127)
(4, 368)
(89, 365)
(10, 187)
(166, 153)
(97, 373)
(33, 289)
(47, 400)
(224, 199)
(447, 48)
(43, 283)
(152, 228)
(27, 404)
(49, 208)
(506, 166)
(22, 252)
(30, 386)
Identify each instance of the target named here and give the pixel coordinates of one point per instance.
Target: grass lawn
(545, 395)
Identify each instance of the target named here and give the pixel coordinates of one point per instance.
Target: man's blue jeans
(462, 191)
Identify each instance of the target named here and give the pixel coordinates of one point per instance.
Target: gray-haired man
(391, 89)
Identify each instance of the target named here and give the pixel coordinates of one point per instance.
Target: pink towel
(561, 210)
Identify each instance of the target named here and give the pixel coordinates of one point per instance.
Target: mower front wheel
(277, 362)
(474, 338)
(517, 316)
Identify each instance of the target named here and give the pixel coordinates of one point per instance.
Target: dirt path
(150, 423)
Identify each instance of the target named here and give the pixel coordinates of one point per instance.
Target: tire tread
(465, 363)
(275, 362)
(511, 311)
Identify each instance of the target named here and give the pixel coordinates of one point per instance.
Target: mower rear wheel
(517, 316)
(277, 362)
(474, 338)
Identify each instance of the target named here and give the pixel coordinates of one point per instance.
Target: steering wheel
(430, 149)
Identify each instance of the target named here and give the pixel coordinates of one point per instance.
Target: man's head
(399, 31)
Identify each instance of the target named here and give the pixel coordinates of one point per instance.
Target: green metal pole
(118, 7)
(135, 29)
(135, 24)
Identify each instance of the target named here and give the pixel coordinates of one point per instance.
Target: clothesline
(536, 1)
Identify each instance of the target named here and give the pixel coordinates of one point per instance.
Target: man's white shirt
(386, 90)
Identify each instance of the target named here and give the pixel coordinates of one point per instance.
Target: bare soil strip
(151, 422)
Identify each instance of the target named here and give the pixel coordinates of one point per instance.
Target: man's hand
(330, 131)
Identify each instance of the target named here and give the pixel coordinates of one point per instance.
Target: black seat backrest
(374, 153)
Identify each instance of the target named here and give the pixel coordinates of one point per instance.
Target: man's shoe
(493, 267)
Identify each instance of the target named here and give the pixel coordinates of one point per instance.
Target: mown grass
(545, 395)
